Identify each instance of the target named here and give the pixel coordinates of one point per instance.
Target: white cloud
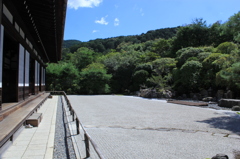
(94, 31)
(83, 3)
(141, 11)
(116, 22)
(102, 21)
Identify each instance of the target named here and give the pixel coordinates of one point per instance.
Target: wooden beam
(1, 4)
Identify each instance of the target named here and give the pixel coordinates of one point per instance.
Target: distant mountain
(102, 45)
(70, 43)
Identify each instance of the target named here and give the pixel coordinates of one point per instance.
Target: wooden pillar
(36, 77)
(1, 54)
(27, 72)
(1, 62)
(1, 5)
(21, 74)
(40, 78)
(43, 79)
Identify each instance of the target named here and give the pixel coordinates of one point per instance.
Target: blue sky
(91, 19)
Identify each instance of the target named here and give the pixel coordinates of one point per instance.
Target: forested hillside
(186, 59)
(70, 43)
(105, 45)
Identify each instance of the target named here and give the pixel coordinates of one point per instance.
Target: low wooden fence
(87, 138)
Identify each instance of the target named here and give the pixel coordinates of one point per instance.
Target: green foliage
(232, 27)
(62, 76)
(140, 75)
(139, 78)
(163, 47)
(94, 79)
(121, 66)
(130, 47)
(145, 66)
(232, 74)
(201, 56)
(226, 48)
(159, 82)
(208, 62)
(82, 57)
(188, 58)
(186, 53)
(189, 76)
(207, 48)
(195, 34)
(105, 45)
(52, 72)
(216, 35)
(66, 54)
(210, 69)
(148, 57)
(148, 46)
(190, 70)
(164, 66)
(224, 61)
(70, 43)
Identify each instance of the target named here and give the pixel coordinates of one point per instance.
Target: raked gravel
(63, 147)
(133, 127)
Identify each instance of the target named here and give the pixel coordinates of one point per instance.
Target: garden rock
(207, 99)
(220, 156)
(236, 108)
(229, 103)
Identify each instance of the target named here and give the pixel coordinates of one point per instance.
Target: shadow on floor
(230, 122)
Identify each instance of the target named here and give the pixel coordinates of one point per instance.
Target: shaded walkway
(36, 142)
(12, 122)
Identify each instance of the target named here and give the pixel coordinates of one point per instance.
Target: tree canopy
(184, 59)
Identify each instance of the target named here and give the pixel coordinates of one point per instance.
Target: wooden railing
(87, 138)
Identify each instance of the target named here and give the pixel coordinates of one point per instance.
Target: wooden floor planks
(12, 121)
(188, 103)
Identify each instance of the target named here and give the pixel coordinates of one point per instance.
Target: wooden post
(87, 145)
(77, 126)
(21, 74)
(27, 72)
(72, 115)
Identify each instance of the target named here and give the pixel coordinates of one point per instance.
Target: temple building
(31, 35)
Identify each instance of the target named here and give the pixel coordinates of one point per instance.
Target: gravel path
(63, 147)
(132, 127)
